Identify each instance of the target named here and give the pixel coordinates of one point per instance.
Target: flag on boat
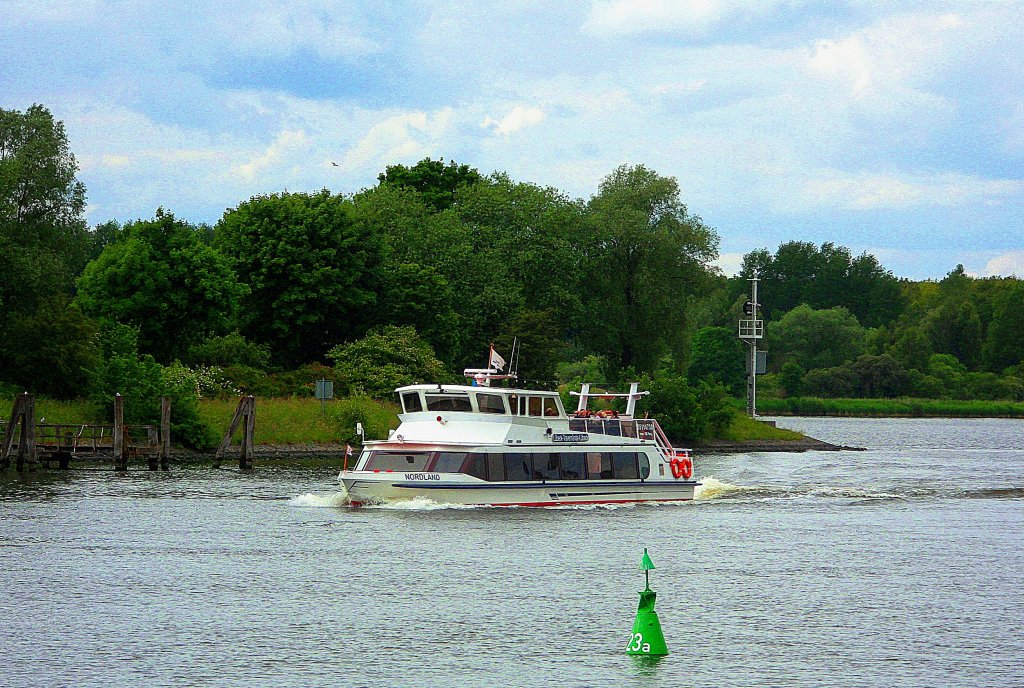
(496, 360)
(348, 451)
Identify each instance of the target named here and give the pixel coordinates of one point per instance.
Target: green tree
(954, 328)
(52, 350)
(436, 182)
(385, 359)
(716, 353)
(879, 376)
(647, 256)
(1004, 346)
(791, 378)
(822, 278)
(42, 229)
(815, 338)
(313, 273)
(163, 279)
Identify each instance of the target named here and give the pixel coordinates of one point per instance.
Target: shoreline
(336, 452)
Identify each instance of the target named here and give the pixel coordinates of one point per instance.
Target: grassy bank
(744, 429)
(305, 421)
(908, 408)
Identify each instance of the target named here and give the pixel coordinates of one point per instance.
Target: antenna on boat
(513, 368)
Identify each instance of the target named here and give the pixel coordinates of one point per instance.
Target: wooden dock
(46, 444)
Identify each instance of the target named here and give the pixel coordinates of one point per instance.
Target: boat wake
(333, 500)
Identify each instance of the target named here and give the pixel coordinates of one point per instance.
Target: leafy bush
(386, 358)
(229, 350)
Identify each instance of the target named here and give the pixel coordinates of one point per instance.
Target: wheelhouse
(481, 400)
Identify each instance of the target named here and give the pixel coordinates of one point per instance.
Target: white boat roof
(445, 389)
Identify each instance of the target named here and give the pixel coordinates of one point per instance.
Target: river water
(899, 566)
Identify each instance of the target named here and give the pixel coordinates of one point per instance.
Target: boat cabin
(490, 400)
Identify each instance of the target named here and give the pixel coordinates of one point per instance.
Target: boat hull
(373, 489)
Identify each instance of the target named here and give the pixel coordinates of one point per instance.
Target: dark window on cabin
(513, 404)
(449, 462)
(645, 465)
(518, 467)
(550, 407)
(396, 461)
(574, 466)
(476, 466)
(545, 466)
(412, 403)
(448, 402)
(490, 403)
(595, 425)
(577, 424)
(495, 467)
(595, 466)
(611, 427)
(624, 465)
(536, 406)
(628, 428)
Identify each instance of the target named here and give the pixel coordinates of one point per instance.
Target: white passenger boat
(494, 446)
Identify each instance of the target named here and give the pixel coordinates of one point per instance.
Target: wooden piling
(120, 453)
(245, 415)
(23, 413)
(165, 433)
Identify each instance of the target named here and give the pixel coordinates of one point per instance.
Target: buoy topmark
(647, 640)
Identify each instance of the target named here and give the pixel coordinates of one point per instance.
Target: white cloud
(1009, 264)
(637, 16)
(399, 137)
(329, 29)
(729, 263)
(283, 150)
(867, 191)
(519, 117)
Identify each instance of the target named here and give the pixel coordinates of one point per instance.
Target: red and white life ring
(681, 467)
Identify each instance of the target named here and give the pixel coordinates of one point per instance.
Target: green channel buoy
(647, 640)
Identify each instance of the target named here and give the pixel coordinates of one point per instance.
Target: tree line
(414, 278)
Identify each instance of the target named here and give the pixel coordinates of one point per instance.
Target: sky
(893, 128)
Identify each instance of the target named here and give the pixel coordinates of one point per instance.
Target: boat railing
(640, 428)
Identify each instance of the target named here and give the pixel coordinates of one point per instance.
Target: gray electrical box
(324, 389)
(762, 363)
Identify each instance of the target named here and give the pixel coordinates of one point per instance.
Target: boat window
(628, 428)
(449, 462)
(395, 461)
(448, 402)
(495, 467)
(545, 466)
(573, 466)
(595, 425)
(476, 466)
(518, 467)
(577, 425)
(550, 407)
(594, 466)
(535, 406)
(411, 402)
(490, 403)
(611, 427)
(645, 466)
(513, 404)
(624, 465)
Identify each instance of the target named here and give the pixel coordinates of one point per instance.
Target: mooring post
(245, 414)
(23, 414)
(248, 432)
(165, 433)
(120, 455)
